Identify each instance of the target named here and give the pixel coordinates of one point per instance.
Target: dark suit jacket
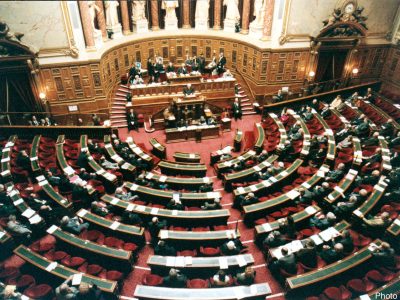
(288, 263)
(307, 256)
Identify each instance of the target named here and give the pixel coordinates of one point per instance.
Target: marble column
(86, 24)
(268, 18)
(154, 15)
(245, 17)
(217, 14)
(125, 17)
(101, 20)
(186, 13)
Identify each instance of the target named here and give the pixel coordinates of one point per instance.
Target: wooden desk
(128, 170)
(258, 210)
(198, 267)
(261, 231)
(189, 133)
(163, 197)
(173, 168)
(178, 183)
(62, 272)
(391, 289)
(260, 134)
(254, 291)
(336, 269)
(127, 232)
(34, 154)
(141, 154)
(5, 159)
(187, 157)
(185, 79)
(306, 136)
(118, 258)
(28, 213)
(190, 239)
(52, 194)
(331, 152)
(216, 155)
(158, 150)
(223, 166)
(174, 217)
(282, 130)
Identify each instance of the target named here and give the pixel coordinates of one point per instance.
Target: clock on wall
(349, 8)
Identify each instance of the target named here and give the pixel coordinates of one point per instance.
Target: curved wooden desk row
(173, 168)
(258, 210)
(247, 173)
(159, 150)
(382, 113)
(258, 188)
(31, 215)
(118, 258)
(128, 170)
(282, 129)
(6, 157)
(306, 135)
(157, 262)
(260, 134)
(336, 269)
(223, 166)
(34, 154)
(254, 291)
(163, 197)
(179, 182)
(373, 199)
(262, 230)
(187, 157)
(390, 289)
(61, 272)
(140, 153)
(185, 239)
(340, 190)
(331, 152)
(127, 232)
(173, 217)
(106, 177)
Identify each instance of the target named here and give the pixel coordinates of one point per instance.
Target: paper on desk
(51, 229)
(149, 175)
(188, 260)
(76, 279)
(296, 245)
(51, 266)
(163, 234)
(320, 174)
(170, 261)
(5, 173)
(29, 212)
(253, 188)
(2, 233)
(223, 263)
(357, 213)
(140, 208)
(18, 202)
(272, 179)
(267, 227)
(327, 234)
(317, 240)
(35, 219)
(43, 182)
(7, 159)
(115, 225)
(180, 261)
(114, 201)
(379, 188)
(266, 183)
(154, 211)
(397, 222)
(240, 190)
(82, 213)
(174, 212)
(292, 194)
(130, 207)
(134, 187)
(40, 178)
(240, 260)
(206, 179)
(306, 185)
(257, 168)
(191, 155)
(162, 178)
(310, 210)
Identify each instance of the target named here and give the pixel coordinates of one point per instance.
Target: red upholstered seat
(220, 227)
(114, 275)
(152, 280)
(380, 277)
(209, 251)
(90, 269)
(201, 229)
(113, 242)
(130, 247)
(333, 293)
(40, 246)
(41, 291)
(25, 281)
(9, 272)
(73, 261)
(55, 255)
(359, 240)
(92, 235)
(197, 283)
(187, 253)
(360, 286)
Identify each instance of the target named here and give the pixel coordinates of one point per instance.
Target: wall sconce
(355, 71)
(311, 74)
(42, 96)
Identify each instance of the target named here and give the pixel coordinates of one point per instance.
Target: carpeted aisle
(204, 148)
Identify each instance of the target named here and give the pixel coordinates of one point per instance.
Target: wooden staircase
(118, 108)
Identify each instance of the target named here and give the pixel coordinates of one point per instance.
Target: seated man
(137, 80)
(131, 218)
(286, 263)
(336, 175)
(331, 255)
(170, 68)
(175, 204)
(107, 164)
(221, 279)
(164, 250)
(308, 255)
(65, 291)
(175, 279)
(122, 194)
(74, 225)
(99, 208)
(230, 248)
(384, 255)
(346, 240)
(210, 206)
(273, 240)
(131, 118)
(322, 221)
(155, 226)
(16, 228)
(206, 187)
(378, 222)
(188, 90)
(23, 161)
(182, 70)
(247, 277)
(387, 129)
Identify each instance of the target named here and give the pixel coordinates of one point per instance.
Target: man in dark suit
(221, 63)
(23, 161)
(170, 68)
(331, 255)
(131, 117)
(154, 228)
(188, 90)
(163, 249)
(182, 70)
(336, 175)
(387, 129)
(175, 280)
(237, 109)
(384, 255)
(287, 262)
(150, 68)
(308, 255)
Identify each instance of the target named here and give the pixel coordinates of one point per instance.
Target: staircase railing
(253, 97)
